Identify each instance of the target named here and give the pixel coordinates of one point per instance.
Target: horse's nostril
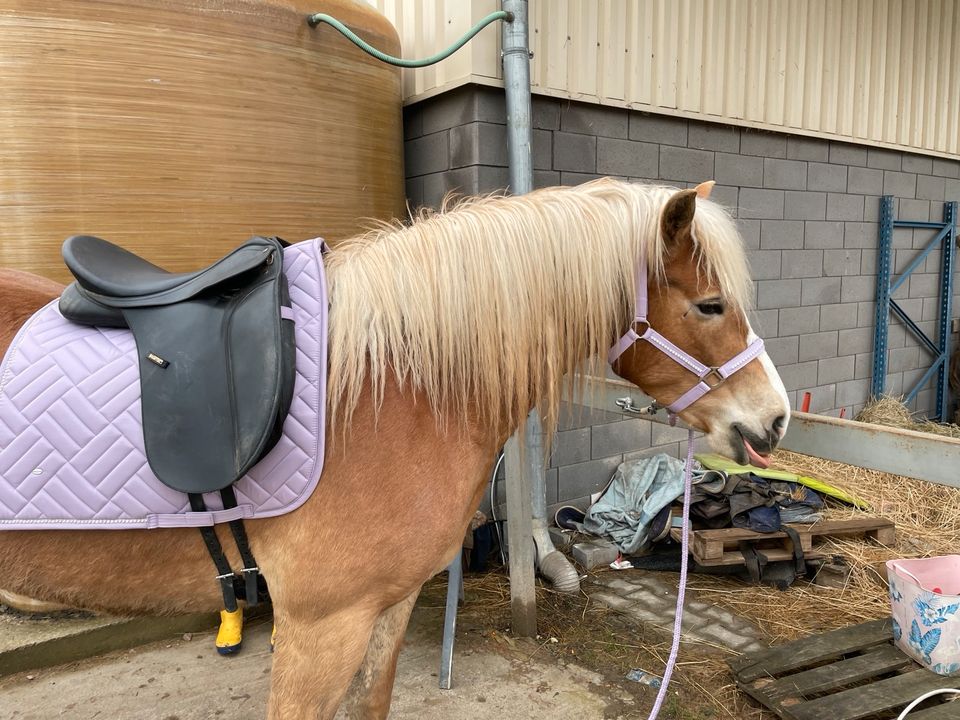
(777, 429)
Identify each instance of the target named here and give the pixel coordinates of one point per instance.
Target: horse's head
(693, 305)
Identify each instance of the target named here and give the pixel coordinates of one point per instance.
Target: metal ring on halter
(715, 372)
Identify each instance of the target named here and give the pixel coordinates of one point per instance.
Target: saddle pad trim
(297, 459)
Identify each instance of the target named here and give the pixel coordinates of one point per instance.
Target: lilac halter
(708, 377)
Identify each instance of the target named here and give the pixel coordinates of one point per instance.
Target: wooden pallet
(847, 674)
(721, 547)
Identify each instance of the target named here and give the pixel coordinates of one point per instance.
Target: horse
(445, 331)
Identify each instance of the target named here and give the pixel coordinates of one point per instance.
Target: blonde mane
(484, 308)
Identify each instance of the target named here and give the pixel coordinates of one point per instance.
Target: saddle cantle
(216, 352)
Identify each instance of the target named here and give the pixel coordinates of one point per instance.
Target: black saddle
(216, 352)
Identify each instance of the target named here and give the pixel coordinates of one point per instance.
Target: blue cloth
(638, 491)
(798, 503)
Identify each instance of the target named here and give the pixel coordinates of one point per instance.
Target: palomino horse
(443, 335)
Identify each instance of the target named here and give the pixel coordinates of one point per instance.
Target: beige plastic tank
(178, 128)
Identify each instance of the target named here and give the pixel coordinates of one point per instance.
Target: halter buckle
(714, 373)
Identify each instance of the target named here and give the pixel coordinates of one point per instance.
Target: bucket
(925, 606)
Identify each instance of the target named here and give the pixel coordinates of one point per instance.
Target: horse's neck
(474, 317)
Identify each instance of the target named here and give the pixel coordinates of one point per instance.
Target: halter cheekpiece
(708, 376)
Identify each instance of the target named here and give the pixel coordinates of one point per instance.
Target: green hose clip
(317, 18)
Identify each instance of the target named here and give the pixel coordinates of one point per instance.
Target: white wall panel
(884, 72)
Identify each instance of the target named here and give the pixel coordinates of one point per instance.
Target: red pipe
(805, 405)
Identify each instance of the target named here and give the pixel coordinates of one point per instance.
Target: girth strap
(224, 571)
(253, 587)
(250, 570)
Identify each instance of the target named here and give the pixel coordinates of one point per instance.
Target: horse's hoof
(230, 634)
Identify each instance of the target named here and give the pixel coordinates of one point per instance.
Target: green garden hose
(318, 18)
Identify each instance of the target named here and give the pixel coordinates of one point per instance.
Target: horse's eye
(710, 308)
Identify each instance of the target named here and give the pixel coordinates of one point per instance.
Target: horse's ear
(705, 188)
(678, 214)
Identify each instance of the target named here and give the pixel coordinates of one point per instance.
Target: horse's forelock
(720, 253)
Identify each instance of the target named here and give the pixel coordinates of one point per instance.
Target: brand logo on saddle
(157, 360)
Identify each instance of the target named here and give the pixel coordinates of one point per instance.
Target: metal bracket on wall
(945, 236)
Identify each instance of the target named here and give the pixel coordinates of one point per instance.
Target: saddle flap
(215, 379)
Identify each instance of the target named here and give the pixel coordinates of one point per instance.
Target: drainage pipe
(516, 85)
(553, 565)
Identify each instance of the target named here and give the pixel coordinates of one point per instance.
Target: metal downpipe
(552, 564)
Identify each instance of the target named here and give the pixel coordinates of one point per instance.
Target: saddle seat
(216, 352)
(110, 271)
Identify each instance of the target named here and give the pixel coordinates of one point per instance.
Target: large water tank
(178, 128)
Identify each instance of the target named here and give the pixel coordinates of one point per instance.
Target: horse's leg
(372, 687)
(315, 658)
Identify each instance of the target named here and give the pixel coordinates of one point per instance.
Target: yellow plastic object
(712, 461)
(273, 638)
(230, 634)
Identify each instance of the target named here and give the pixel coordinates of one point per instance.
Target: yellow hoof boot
(230, 634)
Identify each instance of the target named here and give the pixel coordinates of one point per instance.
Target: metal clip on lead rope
(627, 406)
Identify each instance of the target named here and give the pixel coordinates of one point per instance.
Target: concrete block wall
(589, 446)
(808, 210)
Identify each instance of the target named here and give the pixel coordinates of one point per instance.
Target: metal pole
(946, 312)
(523, 589)
(881, 330)
(516, 85)
(454, 593)
(519, 479)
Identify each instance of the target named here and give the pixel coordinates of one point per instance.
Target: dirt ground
(494, 676)
(575, 669)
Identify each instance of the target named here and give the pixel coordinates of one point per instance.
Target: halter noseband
(708, 377)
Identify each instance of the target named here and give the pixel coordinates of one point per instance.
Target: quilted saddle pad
(71, 441)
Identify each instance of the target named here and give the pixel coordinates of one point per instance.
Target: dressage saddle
(217, 355)
(216, 352)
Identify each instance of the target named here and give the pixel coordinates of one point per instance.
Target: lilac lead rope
(701, 388)
(682, 590)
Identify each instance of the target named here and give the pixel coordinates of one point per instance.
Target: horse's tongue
(756, 459)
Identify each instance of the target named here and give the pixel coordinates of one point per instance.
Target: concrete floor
(18, 630)
(186, 680)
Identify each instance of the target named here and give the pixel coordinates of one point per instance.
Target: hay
(892, 412)
(927, 517)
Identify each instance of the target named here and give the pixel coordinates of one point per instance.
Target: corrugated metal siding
(429, 26)
(877, 71)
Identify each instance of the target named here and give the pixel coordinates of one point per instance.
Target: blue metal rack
(945, 237)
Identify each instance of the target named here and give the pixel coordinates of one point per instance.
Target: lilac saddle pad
(71, 440)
